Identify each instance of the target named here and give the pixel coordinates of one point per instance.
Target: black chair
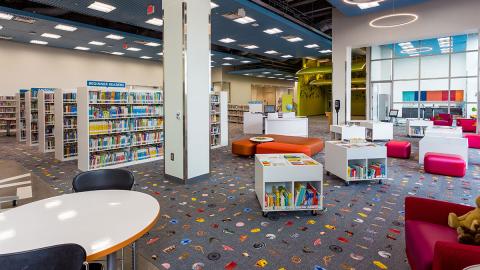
(114, 179)
(106, 179)
(60, 257)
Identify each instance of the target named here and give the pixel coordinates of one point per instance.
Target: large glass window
(428, 77)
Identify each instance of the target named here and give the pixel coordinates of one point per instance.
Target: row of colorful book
(145, 97)
(108, 97)
(374, 170)
(306, 195)
(278, 198)
(110, 158)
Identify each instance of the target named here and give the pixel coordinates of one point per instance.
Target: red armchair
(468, 125)
(430, 243)
(443, 119)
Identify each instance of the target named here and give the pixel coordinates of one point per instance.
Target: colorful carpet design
(217, 223)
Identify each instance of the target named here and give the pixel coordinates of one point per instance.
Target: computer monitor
(393, 113)
(269, 109)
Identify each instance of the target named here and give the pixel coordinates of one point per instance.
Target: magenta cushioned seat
(445, 164)
(473, 140)
(421, 237)
(398, 149)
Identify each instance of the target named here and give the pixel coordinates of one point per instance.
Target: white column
(342, 82)
(187, 86)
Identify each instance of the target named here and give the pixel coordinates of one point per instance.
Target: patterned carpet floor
(217, 223)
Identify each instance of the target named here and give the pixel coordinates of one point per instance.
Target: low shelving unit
(354, 162)
(218, 119)
(20, 115)
(66, 124)
(235, 113)
(31, 116)
(46, 120)
(8, 106)
(417, 127)
(118, 126)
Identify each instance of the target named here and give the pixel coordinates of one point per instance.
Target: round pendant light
(394, 20)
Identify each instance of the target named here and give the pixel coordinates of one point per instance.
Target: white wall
(26, 66)
(436, 18)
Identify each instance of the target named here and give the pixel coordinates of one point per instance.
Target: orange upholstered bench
(280, 148)
(244, 147)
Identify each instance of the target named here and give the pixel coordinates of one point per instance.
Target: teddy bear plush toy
(467, 226)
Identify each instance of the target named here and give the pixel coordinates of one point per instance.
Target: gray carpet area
(217, 223)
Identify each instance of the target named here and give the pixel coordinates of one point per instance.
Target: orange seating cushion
(279, 148)
(243, 147)
(316, 145)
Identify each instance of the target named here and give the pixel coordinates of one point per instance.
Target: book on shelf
(374, 170)
(278, 198)
(306, 195)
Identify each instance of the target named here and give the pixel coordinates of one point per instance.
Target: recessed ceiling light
(213, 5)
(5, 16)
(408, 18)
(287, 56)
(228, 58)
(278, 74)
(145, 57)
(80, 48)
(155, 21)
(161, 53)
(271, 52)
(133, 49)
(261, 76)
(115, 37)
(325, 51)
(6, 37)
(273, 31)
(368, 5)
(246, 61)
(117, 53)
(292, 38)
(250, 47)
(266, 72)
(312, 46)
(244, 20)
(39, 42)
(271, 77)
(226, 64)
(1, 27)
(227, 40)
(64, 27)
(96, 43)
(102, 7)
(152, 44)
(48, 35)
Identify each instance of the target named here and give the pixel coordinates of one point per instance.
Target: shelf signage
(43, 89)
(106, 84)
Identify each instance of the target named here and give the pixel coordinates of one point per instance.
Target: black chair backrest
(61, 257)
(103, 180)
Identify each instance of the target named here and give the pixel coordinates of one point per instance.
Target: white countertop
(102, 222)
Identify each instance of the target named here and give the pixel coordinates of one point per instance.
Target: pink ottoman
(445, 164)
(473, 140)
(398, 149)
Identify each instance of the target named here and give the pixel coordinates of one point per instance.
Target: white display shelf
(20, 115)
(218, 119)
(375, 131)
(289, 171)
(96, 126)
(417, 127)
(339, 156)
(31, 116)
(344, 132)
(46, 120)
(8, 108)
(66, 143)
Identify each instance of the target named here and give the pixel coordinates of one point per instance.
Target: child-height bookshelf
(20, 114)
(218, 119)
(66, 146)
(31, 116)
(7, 114)
(118, 125)
(46, 120)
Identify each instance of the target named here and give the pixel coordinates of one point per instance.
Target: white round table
(102, 222)
(261, 139)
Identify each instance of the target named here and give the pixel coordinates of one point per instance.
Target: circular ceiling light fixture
(394, 20)
(417, 50)
(356, 2)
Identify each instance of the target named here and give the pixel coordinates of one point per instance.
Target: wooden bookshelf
(235, 113)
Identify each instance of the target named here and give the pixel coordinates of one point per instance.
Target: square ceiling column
(187, 83)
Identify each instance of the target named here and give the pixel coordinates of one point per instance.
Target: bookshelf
(218, 119)
(31, 116)
(288, 182)
(355, 162)
(417, 127)
(20, 115)
(8, 106)
(46, 120)
(118, 126)
(235, 113)
(66, 124)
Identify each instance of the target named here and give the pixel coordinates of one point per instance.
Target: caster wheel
(328, 173)
(347, 183)
(315, 213)
(265, 214)
(380, 182)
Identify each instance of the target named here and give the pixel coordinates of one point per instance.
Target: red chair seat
(280, 148)
(445, 164)
(421, 237)
(399, 149)
(473, 140)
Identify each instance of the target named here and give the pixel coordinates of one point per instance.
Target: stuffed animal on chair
(467, 226)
